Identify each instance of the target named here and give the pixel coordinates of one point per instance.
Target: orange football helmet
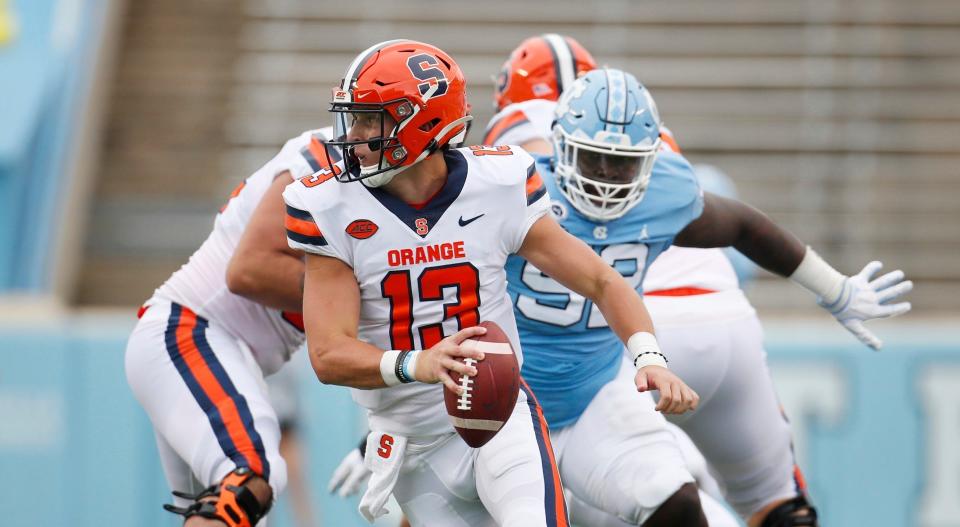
(419, 87)
(540, 68)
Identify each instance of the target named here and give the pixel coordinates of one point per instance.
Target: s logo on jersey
(423, 228)
(424, 67)
(362, 229)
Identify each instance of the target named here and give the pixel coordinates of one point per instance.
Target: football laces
(466, 382)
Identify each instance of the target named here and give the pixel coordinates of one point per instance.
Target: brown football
(491, 394)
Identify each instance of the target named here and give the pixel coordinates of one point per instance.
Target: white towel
(385, 452)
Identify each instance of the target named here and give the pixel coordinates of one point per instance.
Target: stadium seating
(839, 119)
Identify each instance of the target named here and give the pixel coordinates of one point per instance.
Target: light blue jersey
(569, 351)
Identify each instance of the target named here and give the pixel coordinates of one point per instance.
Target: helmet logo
(425, 67)
(503, 79)
(542, 89)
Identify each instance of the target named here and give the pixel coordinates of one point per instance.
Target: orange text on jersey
(428, 254)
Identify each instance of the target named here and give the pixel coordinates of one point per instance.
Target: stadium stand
(838, 118)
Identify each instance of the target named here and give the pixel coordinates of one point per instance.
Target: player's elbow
(241, 279)
(322, 361)
(607, 280)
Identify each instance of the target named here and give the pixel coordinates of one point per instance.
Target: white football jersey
(521, 122)
(427, 271)
(685, 267)
(201, 284)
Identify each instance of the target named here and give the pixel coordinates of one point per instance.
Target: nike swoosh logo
(464, 223)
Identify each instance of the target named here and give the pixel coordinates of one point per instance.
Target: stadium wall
(49, 135)
(877, 433)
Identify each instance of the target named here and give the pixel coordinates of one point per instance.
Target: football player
(528, 86)
(405, 256)
(614, 188)
(207, 337)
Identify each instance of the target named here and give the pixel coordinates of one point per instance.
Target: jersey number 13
(397, 287)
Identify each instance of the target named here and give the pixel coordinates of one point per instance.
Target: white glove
(350, 475)
(862, 299)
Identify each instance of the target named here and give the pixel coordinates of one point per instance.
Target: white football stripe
(476, 424)
(498, 348)
(564, 58)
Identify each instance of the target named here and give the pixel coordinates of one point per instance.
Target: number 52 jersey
(427, 270)
(571, 351)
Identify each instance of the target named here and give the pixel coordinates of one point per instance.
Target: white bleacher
(839, 118)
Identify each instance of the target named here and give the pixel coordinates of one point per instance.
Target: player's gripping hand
(436, 363)
(675, 396)
(863, 299)
(349, 475)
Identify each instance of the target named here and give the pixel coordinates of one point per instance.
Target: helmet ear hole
(429, 125)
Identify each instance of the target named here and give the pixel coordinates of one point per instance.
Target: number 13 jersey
(424, 271)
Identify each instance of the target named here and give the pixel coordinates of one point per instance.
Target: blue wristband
(405, 367)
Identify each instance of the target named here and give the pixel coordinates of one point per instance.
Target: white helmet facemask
(603, 177)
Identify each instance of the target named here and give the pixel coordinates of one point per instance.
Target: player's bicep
(563, 257)
(265, 232)
(331, 300)
(719, 225)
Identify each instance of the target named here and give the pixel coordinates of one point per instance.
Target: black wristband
(664, 357)
(398, 368)
(362, 447)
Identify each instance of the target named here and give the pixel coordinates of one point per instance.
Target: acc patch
(362, 229)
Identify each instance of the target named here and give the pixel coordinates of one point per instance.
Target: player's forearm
(769, 245)
(273, 279)
(345, 361)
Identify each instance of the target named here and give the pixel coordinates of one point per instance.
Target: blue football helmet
(606, 136)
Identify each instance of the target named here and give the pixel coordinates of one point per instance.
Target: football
(489, 397)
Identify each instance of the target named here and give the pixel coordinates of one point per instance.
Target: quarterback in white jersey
(406, 243)
(197, 357)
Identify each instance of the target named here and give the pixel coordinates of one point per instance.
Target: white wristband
(645, 351)
(388, 365)
(817, 276)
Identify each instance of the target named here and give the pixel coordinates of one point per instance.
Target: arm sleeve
(303, 232)
(537, 203)
(304, 155)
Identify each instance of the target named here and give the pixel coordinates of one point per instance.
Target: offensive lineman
(205, 340)
(402, 261)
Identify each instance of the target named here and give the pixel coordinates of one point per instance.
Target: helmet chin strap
(382, 179)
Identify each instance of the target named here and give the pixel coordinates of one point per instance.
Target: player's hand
(675, 396)
(863, 299)
(349, 475)
(436, 363)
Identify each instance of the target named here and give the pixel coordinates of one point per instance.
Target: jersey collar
(434, 209)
